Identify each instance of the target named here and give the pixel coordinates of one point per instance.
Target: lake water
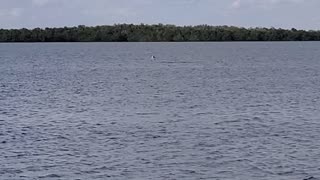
(199, 111)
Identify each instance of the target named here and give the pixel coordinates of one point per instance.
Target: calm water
(200, 111)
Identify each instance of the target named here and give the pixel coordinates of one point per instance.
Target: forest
(155, 33)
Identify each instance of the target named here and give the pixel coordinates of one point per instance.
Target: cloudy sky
(301, 14)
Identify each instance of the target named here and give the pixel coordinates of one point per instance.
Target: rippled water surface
(199, 111)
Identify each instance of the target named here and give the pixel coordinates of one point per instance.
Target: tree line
(155, 33)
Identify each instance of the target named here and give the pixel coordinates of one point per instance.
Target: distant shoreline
(121, 42)
(156, 33)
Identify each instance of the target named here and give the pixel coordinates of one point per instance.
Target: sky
(299, 14)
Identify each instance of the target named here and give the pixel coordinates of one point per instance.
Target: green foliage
(156, 33)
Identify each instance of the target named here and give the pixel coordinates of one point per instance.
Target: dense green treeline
(137, 33)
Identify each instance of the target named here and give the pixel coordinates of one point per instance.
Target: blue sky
(301, 14)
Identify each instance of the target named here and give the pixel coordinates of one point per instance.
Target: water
(199, 111)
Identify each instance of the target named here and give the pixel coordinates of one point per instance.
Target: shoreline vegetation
(155, 33)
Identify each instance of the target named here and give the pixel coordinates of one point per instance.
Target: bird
(153, 57)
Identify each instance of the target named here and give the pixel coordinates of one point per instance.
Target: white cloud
(13, 12)
(260, 3)
(104, 12)
(40, 2)
(16, 12)
(236, 4)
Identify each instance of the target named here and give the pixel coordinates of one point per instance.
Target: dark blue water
(199, 111)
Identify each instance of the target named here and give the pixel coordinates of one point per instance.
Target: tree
(158, 32)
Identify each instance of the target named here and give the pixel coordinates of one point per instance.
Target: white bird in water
(153, 58)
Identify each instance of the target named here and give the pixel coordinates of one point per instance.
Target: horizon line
(157, 24)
